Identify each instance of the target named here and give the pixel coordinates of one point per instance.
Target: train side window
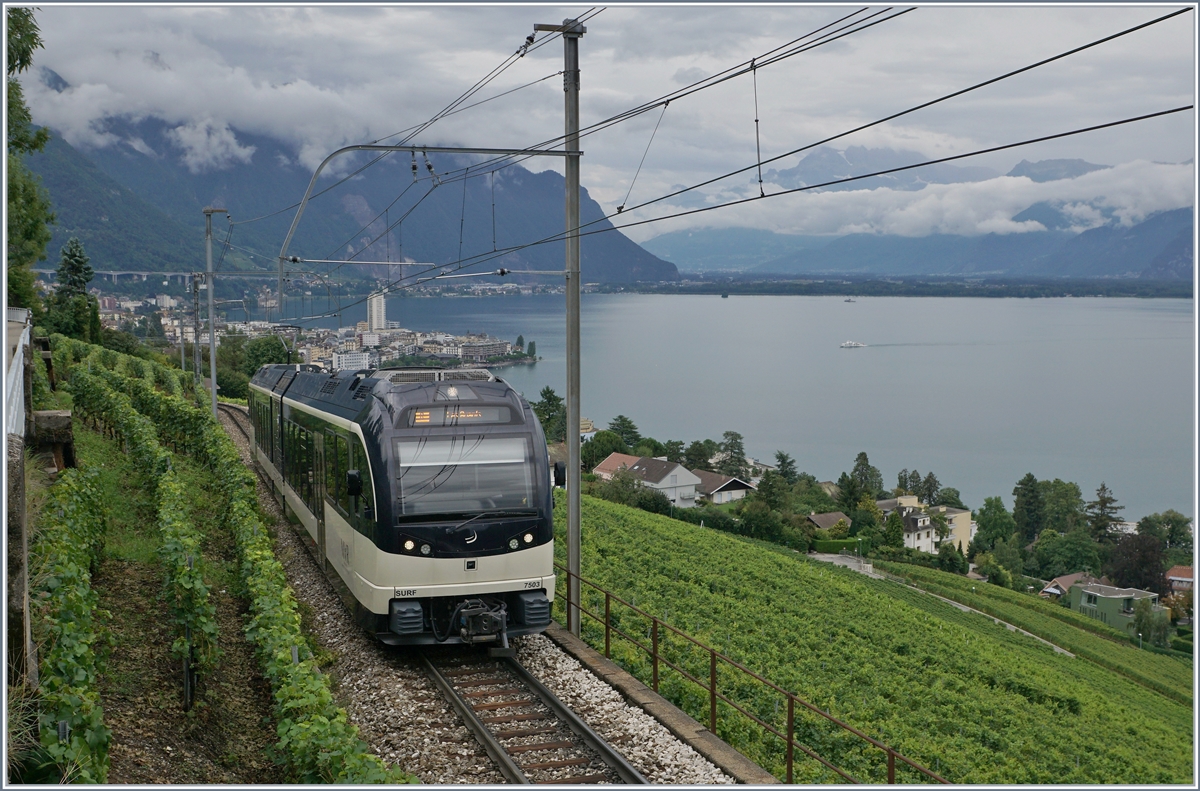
(343, 498)
(331, 468)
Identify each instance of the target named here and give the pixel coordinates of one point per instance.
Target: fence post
(791, 726)
(891, 766)
(712, 690)
(607, 605)
(654, 649)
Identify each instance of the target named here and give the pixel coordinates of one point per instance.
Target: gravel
(401, 715)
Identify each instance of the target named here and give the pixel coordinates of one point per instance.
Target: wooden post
(712, 690)
(791, 726)
(891, 766)
(607, 611)
(654, 650)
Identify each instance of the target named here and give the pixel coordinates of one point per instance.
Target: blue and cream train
(425, 495)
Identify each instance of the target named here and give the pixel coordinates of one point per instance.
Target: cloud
(208, 145)
(689, 76)
(320, 77)
(1129, 193)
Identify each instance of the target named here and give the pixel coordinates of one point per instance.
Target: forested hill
(118, 229)
(449, 223)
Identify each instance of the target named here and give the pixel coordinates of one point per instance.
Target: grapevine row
(315, 735)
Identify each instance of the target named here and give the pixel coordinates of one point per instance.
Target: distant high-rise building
(377, 311)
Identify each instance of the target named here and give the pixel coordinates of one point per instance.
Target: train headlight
(528, 538)
(426, 549)
(513, 543)
(410, 545)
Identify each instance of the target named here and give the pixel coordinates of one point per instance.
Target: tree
(74, 270)
(949, 496)
(697, 456)
(867, 514)
(1028, 511)
(849, 492)
(930, 487)
(914, 482)
(1062, 505)
(625, 429)
(773, 490)
(951, 560)
(649, 446)
(1172, 528)
(1007, 552)
(70, 310)
(674, 450)
(265, 350)
(893, 530)
(1138, 562)
(786, 466)
(552, 413)
(987, 565)
(994, 523)
(602, 445)
(868, 478)
(1153, 627)
(29, 214)
(532, 350)
(1102, 513)
(902, 482)
(1057, 554)
(839, 529)
(733, 449)
(520, 344)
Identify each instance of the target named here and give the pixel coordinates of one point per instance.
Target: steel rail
(611, 757)
(490, 743)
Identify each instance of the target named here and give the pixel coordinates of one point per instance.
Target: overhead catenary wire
(456, 266)
(893, 116)
(774, 55)
(476, 260)
(633, 181)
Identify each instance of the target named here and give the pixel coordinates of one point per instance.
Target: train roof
(345, 392)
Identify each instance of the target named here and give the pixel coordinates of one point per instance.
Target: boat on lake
(847, 299)
(853, 345)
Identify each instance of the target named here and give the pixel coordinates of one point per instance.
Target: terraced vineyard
(1086, 637)
(951, 690)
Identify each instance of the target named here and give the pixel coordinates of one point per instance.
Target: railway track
(530, 735)
(238, 415)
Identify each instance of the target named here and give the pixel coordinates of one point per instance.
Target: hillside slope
(118, 229)
(951, 690)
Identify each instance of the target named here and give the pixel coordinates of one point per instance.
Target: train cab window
(464, 474)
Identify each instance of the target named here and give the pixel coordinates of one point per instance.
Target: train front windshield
(464, 475)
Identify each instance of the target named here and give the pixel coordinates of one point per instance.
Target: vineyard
(1083, 636)
(951, 690)
(145, 407)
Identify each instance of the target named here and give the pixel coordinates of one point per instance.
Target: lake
(980, 391)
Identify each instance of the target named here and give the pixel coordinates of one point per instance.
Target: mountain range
(1160, 247)
(137, 204)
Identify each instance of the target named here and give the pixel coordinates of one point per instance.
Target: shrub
(834, 546)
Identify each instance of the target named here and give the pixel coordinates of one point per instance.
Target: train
(426, 496)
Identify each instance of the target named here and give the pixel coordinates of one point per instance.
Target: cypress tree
(1028, 508)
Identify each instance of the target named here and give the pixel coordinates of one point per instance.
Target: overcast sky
(318, 78)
